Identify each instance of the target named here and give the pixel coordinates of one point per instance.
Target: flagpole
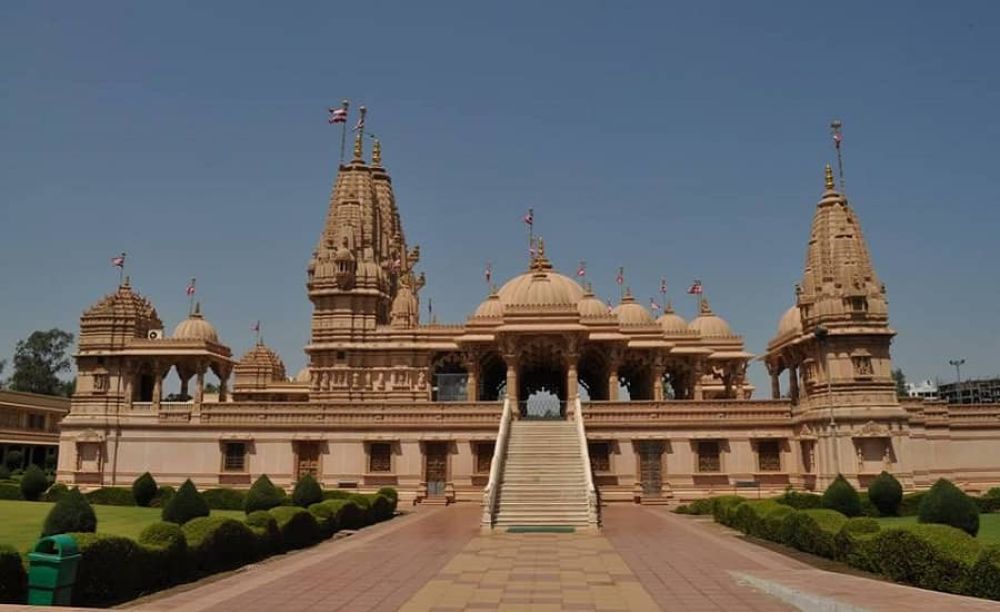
(835, 126)
(531, 236)
(191, 297)
(121, 271)
(343, 131)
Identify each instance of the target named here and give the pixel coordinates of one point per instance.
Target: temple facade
(663, 406)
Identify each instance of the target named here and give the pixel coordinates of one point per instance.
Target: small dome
(671, 322)
(708, 324)
(629, 312)
(592, 307)
(124, 304)
(490, 308)
(261, 358)
(303, 376)
(195, 327)
(790, 323)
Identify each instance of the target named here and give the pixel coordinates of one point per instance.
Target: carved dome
(709, 324)
(124, 304)
(790, 323)
(196, 327)
(541, 287)
(592, 307)
(303, 376)
(630, 313)
(671, 322)
(263, 360)
(490, 308)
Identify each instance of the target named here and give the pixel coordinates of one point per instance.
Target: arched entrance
(542, 381)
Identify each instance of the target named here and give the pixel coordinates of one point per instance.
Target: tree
(39, 360)
(187, 504)
(71, 513)
(900, 379)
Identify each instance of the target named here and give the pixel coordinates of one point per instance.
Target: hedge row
(115, 569)
(929, 556)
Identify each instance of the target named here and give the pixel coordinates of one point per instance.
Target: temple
(544, 392)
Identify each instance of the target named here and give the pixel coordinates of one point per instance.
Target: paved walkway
(644, 559)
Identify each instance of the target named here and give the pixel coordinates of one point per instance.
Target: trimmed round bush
(307, 492)
(722, 505)
(382, 508)
(749, 516)
(936, 557)
(33, 483)
(72, 513)
(13, 577)
(265, 528)
(812, 531)
(9, 490)
(219, 543)
(168, 561)
(853, 544)
(223, 498)
(111, 496)
(298, 527)
(336, 494)
(393, 496)
(886, 494)
(144, 489)
(800, 500)
(946, 504)
(263, 495)
(111, 570)
(349, 514)
(842, 497)
(163, 495)
(188, 504)
(984, 577)
(56, 492)
(12, 460)
(701, 506)
(325, 514)
(910, 506)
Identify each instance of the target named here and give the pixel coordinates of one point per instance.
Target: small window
(708, 456)
(484, 457)
(379, 457)
(769, 456)
(600, 456)
(235, 459)
(859, 303)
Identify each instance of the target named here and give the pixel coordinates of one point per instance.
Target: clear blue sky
(678, 140)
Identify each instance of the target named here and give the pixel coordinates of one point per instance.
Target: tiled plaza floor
(643, 559)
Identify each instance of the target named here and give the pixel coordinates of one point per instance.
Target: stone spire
(839, 283)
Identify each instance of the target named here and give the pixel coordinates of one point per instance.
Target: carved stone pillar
(512, 380)
(657, 371)
(157, 387)
(775, 386)
(572, 378)
(472, 383)
(793, 383)
(223, 386)
(613, 383)
(199, 387)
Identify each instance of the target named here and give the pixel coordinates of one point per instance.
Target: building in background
(29, 426)
(975, 391)
(925, 389)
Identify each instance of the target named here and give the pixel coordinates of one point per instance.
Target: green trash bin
(52, 571)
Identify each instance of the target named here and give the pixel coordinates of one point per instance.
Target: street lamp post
(821, 334)
(958, 363)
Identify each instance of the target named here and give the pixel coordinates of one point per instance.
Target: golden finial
(829, 178)
(541, 248)
(357, 147)
(377, 153)
(358, 150)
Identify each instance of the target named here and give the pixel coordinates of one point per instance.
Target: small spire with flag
(581, 270)
(255, 328)
(838, 137)
(339, 115)
(695, 288)
(653, 305)
(189, 291)
(488, 272)
(118, 261)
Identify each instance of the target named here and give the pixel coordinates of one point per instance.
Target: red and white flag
(530, 217)
(337, 115)
(582, 270)
(836, 139)
(488, 273)
(621, 276)
(695, 288)
(663, 286)
(118, 261)
(360, 125)
(190, 288)
(653, 304)
(255, 327)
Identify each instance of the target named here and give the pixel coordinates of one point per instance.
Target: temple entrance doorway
(307, 459)
(436, 467)
(650, 467)
(542, 393)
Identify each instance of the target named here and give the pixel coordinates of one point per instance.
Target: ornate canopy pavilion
(388, 400)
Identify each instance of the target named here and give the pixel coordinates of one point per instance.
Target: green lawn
(21, 521)
(989, 526)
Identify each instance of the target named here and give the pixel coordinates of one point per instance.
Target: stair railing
(593, 505)
(496, 466)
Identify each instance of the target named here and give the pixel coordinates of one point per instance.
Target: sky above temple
(678, 141)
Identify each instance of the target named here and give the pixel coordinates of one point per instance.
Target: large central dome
(541, 286)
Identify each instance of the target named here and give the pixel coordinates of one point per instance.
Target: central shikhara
(389, 400)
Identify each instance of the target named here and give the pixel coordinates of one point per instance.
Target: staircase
(543, 481)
